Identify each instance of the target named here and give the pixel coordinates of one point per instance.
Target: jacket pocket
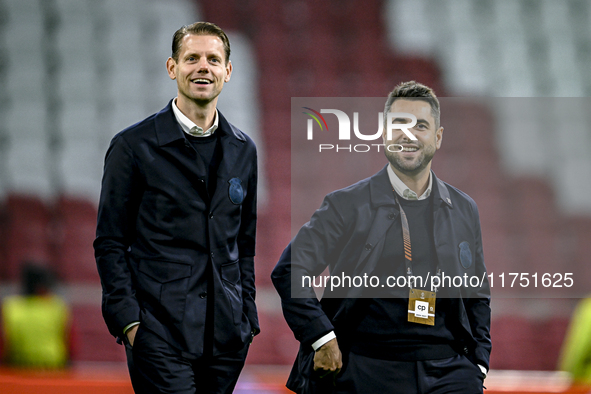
(167, 283)
(233, 288)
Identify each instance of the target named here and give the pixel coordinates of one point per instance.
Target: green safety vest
(576, 351)
(35, 331)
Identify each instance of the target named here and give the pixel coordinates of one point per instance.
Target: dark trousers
(157, 368)
(360, 374)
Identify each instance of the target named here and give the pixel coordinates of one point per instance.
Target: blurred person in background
(36, 325)
(575, 356)
(401, 222)
(176, 230)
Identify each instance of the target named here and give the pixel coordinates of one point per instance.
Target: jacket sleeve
(246, 246)
(118, 206)
(305, 257)
(477, 305)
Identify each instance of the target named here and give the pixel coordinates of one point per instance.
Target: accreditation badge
(421, 307)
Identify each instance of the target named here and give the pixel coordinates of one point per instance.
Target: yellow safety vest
(576, 350)
(35, 331)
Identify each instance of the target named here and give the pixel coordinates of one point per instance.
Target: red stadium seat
(28, 234)
(534, 206)
(275, 345)
(277, 126)
(276, 95)
(76, 225)
(469, 128)
(511, 333)
(271, 50)
(93, 341)
(262, 13)
(228, 17)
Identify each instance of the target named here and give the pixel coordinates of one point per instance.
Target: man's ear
(438, 137)
(228, 71)
(171, 68)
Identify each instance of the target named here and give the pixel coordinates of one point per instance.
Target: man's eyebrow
(208, 55)
(404, 120)
(407, 120)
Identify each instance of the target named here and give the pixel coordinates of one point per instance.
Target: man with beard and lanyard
(402, 222)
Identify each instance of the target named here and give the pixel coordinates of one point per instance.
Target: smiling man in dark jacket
(176, 231)
(409, 335)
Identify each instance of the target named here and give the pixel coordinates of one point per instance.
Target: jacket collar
(440, 192)
(380, 188)
(382, 194)
(168, 130)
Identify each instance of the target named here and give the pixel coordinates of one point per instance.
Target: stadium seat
(511, 333)
(76, 227)
(24, 24)
(80, 167)
(272, 237)
(270, 49)
(550, 334)
(277, 125)
(527, 343)
(576, 252)
(28, 234)
(229, 17)
(468, 127)
(93, 341)
(499, 255)
(263, 12)
(535, 206)
(280, 345)
(277, 93)
(360, 16)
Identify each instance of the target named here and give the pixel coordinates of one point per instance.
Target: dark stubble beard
(411, 167)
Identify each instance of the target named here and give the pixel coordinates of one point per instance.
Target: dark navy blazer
(347, 234)
(158, 230)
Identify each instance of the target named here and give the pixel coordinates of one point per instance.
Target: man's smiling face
(416, 155)
(201, 68)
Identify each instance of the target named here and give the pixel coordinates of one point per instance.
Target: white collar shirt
(404, 191)
(191, 128)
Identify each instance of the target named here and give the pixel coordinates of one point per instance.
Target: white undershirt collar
(189, 126)
(403, 190)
